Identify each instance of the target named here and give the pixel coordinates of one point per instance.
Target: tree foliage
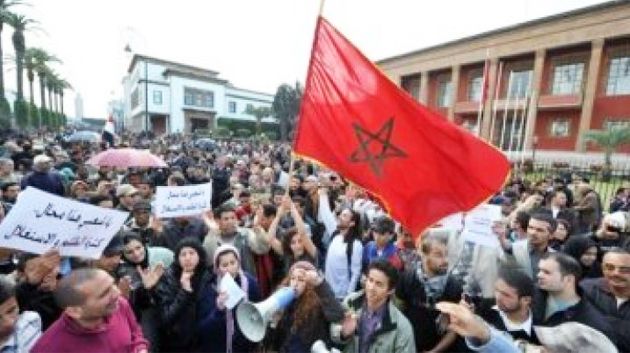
(609, 140)
(286, 106)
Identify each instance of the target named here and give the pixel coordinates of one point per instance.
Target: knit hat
(222, 249)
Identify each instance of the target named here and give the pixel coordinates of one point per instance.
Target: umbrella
(84, 136)
(126, 158)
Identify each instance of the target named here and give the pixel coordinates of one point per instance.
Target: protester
(95, 318)
(308, 317)
(19, 329)
(217, 325)
(384, 233)
(585, 251)
(43, 178)
(178, 296)
(373, 323)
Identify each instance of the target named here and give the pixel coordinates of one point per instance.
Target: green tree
(259, 113)
(62, 85)
(286, 106)
(5, 12)
(609, 140)
(37, 60)
(19, 24)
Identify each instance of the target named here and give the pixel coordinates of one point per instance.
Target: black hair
(128, 237)
(566, 264)
(7, 185)
(96, 199)
(545, 217)
(388, 269)
(224, 208)
(7, 289)
(519, 280)
(202, 266)
(522, 219)
(299, 200)
(269, 210)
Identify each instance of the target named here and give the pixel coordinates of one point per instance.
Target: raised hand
(37, 268)
(349, 325)
(150, 277)
(124, 285)
(185, 281)
(221, 299)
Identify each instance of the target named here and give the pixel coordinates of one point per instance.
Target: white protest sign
(234, 293)
(478, 225)
(40, 221)
(178, 201)
(453, 222)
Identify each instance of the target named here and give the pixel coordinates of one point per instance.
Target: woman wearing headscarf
(178, 296)
(217, 326)
(144, 266)
(584, 250)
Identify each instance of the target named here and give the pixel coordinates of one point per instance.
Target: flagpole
(505, 108)
(514, 117)
(497, 90)
(321, 7)
(521, 146)
(482, 99)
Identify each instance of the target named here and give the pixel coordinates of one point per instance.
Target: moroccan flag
(355, 121)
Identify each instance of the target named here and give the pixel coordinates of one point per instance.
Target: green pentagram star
(387, 150)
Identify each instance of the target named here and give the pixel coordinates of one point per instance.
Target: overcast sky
(255, 44)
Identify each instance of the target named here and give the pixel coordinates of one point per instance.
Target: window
(157, 97)
(232, 107)
(134, 98)
(445, 91)
(474, 88)
(519, 83)
(249, 106)
(198, 98)
(411, 84)
(616, 124)
(619, 76)
(560, 128)
(567, 79)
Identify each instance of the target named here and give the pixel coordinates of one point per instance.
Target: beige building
(548, 80)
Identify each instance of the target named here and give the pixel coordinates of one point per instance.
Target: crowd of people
(362, 282)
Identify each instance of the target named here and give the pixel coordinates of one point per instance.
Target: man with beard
(248, 241)
(421, 288)
(95, 318)
(611, 294)
(512, 312)
(10, 192)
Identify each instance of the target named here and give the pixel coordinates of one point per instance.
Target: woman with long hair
(307, 319)
(217, 326)
(178, 296)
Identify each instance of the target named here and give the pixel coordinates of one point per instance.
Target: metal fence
(605, 182)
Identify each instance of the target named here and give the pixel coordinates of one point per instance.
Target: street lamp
(146, 89)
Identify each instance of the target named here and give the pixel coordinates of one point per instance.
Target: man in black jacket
(557, 301)
(611, 294)
(421, 288)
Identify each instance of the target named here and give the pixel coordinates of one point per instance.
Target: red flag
(357, 122)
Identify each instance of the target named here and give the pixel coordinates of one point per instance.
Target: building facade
(547, 81)
(182, 98)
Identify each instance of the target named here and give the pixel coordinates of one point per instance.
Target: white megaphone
(320, 347)
(253, 318)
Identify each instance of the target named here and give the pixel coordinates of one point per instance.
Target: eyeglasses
(611, 268)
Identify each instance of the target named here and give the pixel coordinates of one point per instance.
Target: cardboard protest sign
(178, 201)
(40, 221)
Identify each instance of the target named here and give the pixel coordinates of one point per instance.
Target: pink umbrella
(126, 158)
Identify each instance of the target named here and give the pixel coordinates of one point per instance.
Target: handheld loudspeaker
(253, 318)
(320, 347)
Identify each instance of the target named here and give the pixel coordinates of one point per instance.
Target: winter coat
(395, 334)
(178, 311)
(211, 323)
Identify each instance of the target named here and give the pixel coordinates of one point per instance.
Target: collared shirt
(513, 326)
(27, 330)
(368, 324)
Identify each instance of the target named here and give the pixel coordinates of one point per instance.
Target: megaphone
(253, 318)
(320, 347)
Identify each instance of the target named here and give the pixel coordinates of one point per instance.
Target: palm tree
(609, 140)
(286, 106)
(19, 24)
(259, 113)
(63, 85)
(4, 14)
(36, 60)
